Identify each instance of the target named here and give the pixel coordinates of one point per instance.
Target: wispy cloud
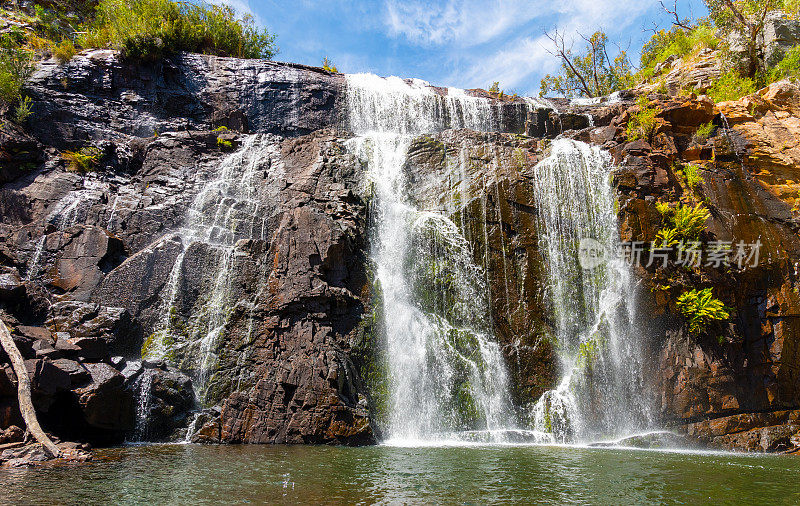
(505, 39)
(465, 43)
(462, 22)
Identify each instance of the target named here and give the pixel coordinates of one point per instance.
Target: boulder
(45, 349)
(166, 396)
(105, 402)
(12, 434)
(78, 374)
(86, 253)
(46, 378)
(84, 320)
(11, 285)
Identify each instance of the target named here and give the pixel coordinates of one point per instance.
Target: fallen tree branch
(24, 392)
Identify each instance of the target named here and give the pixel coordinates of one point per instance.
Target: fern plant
(692, 174)
(704, 132)
(686, 224)
(84, 160)
(701, 309)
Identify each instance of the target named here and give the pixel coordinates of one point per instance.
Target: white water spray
(602, 391)
(446, 372)
(229, 208)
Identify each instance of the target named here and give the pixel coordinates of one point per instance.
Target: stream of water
(447, 375)
(446, 372)
(602, 393)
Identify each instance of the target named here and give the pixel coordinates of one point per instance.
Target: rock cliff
(95, 265)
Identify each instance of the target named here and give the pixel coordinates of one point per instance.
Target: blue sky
(462, 43)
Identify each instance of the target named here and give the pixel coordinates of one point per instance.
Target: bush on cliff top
(678, 42)
(731, 86)
(151, 29)
(788, 67)
(15, 67)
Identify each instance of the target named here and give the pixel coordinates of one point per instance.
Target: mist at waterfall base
(448, 382)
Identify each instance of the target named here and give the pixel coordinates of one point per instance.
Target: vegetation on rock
(701, 309)
(686, 223)
(642, 124)
(83, 160)
(591, 73)
(788, 67)
(144, 30)
(16, 65)
(704, 132)
(151, 29)
(329, 66)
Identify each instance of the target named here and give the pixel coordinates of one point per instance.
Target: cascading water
(602, 391)
(227, 209)
(446, 372)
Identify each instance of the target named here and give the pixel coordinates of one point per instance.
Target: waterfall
(602, 391)
(447, 375)
(228, 208)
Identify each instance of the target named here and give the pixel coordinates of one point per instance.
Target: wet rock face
(303, 387)
(748, 365)
(484, 182)
(87, 258)
(165, 400)
(96, 97)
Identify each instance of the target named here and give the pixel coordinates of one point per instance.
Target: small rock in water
(658, 439)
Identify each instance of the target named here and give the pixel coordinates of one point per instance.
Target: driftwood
(24, 392)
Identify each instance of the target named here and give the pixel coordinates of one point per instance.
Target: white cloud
(512, 66)
(465, 22)
(506, 39)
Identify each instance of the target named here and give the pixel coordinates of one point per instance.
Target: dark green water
(188, 474)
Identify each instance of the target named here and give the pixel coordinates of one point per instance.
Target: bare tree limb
(562, 52)
(737, 13)
(674, 13)
(593, 47)
(24, 392)
(653, 29)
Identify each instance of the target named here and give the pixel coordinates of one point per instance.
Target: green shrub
(788, 67)
(703, 37)
(495, 87)
(642, 124)
(685, 224)
(223, 143)
(730, 86)
(692, 174)
(23, 111)
(663, 44)
(701, 309)
(65, 51)
(677, 42)
(663, 208)
(151, 29)
(84, 160)
(704, 132)
(16, 65)
(329, 66)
